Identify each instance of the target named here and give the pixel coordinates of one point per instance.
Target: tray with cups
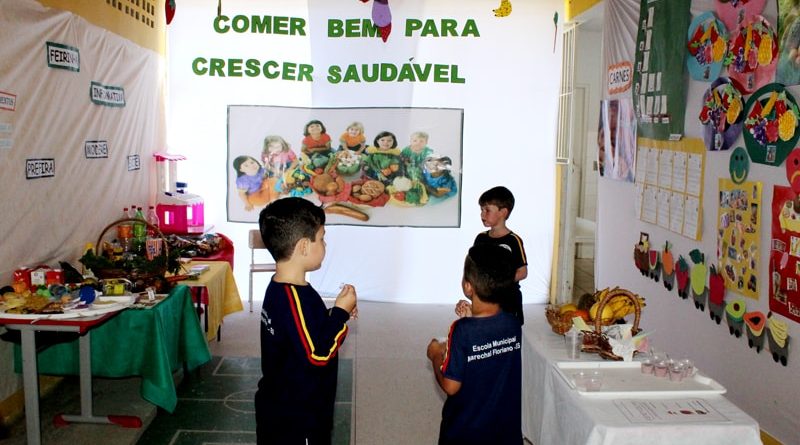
(636, 378)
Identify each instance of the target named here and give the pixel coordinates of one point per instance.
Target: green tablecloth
(147, 343)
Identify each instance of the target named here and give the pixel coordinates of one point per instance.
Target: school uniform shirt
(512, 242)
(484, 354)
(300, 339)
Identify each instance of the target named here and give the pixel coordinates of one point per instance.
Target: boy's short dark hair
(285, 222)
(489, 268)
(498, 196)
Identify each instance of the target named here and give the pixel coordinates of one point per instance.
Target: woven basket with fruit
(611, 305)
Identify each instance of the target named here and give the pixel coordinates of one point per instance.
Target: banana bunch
(622, 306)
(503, 10)
(779, 331)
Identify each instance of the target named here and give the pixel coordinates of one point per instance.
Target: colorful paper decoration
(753, 53)
(667, 266)
(770, 128)
(788, 72)
(382, 17)
(734, 315)
(654, 264)
(731, 12)
(640, 254)
(738, 231)
(778, 339)
(698, 274)
(707, 44)
(716, 294)
(503, 10)
(682, 277)
(169, 10)
(722, 114)
(739, 165)
(755, 322)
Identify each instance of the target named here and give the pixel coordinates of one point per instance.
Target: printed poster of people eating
(364, 166)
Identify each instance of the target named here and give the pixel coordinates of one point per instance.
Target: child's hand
(436, 349)
(347, 300)
(463, 309)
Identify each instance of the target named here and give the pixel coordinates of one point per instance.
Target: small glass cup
(580, 378)
(688, 367)
(676, 372)
(661, 368)
(647, 365)
(594, 381)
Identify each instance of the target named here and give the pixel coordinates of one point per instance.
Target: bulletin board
(669, 185)
(738, 231)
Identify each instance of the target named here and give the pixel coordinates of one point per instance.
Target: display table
(554, 413)
(216, 290)
(147, 343)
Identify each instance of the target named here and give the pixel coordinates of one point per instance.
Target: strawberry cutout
(169, 10)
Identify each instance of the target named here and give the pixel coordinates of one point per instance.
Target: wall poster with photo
(364, 166)
(616, 140)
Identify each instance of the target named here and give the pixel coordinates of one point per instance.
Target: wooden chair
(256, 243)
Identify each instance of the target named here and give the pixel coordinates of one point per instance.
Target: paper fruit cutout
(778, 339)
(169, 10)
(770, 128)
(789, 219)
(653, 264)
(682, 277)
(752, 53)
(707, 45)
(503, 10)
(382, 17)
(793, 171)
(722, 114)
(640, 254)
(734, 315)
(731, 12)
(755, 322)
(716, 294)
(739, 165)
(698, 274)
(667, 267)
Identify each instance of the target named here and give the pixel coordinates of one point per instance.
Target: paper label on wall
(676, 212)
(664, 196)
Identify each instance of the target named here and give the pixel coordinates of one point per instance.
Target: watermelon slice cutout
(755, 321)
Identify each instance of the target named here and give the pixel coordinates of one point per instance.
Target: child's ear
(302, 246)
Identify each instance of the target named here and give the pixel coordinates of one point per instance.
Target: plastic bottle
(139, 231)
(125, 232)
(132, 212)
(152, 219)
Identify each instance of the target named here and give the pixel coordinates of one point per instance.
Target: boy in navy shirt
(300, 337)
(480, 365)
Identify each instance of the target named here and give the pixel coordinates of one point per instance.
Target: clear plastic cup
(688, 367)
(573, 342)
(594, 381)
(647, 365)
(661, 368)
(676, 372)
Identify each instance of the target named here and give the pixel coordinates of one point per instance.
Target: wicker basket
(559, 323)
(140, 278)
(596, 341)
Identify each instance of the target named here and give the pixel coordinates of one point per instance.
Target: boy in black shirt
(480, 365)
(300, 337)
(496, 206)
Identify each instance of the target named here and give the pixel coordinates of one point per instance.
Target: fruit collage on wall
(706, 286)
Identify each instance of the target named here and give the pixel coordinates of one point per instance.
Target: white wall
(509, 101)
(764, 389)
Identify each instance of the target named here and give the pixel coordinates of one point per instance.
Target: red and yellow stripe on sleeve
(449, 343)
(305, 337)
(521, 249)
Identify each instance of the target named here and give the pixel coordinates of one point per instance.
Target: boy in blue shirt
(300, 337)
(480, 365)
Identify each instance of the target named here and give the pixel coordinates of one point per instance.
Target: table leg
(86, 416)
(30, 380)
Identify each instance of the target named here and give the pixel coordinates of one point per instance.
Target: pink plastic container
(180, 214)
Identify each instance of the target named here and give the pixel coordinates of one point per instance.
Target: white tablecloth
(555, 414)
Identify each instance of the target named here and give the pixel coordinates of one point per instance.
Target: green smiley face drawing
(739, 165)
